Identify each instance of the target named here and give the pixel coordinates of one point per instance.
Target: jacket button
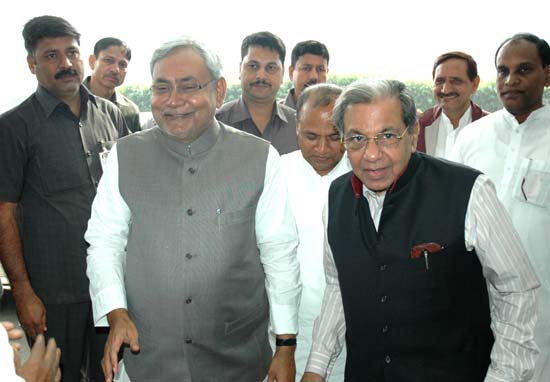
(383, 299)
(188, 301)
(387, 359)
(383, 267)
(190, 212)
(192, 170)
(188, 256)
(385, 329)
(188, 341)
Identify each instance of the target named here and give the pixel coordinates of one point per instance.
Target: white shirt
(516, 157)
(447, 134)
(308, 192)
(7, 366)
(510, 278)
(275, 232)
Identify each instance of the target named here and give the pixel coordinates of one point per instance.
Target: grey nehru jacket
(195, 285)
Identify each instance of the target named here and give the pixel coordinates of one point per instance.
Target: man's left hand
(282, 368)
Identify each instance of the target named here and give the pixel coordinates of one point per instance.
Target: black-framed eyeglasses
(186, 87)
(385, 139)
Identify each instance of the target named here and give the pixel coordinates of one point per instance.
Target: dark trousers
(81, 344)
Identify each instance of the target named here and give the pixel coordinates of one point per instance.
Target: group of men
(356, 255)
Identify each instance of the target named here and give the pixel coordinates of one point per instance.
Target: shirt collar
(534, 115)
(241, 112)
(49, 102)
(289, 100)
(86, 83)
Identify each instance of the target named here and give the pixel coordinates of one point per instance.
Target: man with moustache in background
(109, 65)
(53, 147)
(257, 111)
(308, 66)
(455, 82)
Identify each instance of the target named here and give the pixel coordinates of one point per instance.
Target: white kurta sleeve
(277, 239)
(107, 236)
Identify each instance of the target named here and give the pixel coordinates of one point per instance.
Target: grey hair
(366, 92)
(322, 94)
(213, 62)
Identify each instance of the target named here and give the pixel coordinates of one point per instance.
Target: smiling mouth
(375, 173)
(178, 115)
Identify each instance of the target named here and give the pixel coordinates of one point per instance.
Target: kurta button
(188, 301)
(188, 341)
(385, 329)
(383, 299)
(190, 212)
(192, 170)
(188, 256)
(387, 359)
(88, 154)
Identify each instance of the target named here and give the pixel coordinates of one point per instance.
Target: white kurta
(308, 192)
(517, 159)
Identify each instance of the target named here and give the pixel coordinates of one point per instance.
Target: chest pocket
(62, 167)
(533, 185)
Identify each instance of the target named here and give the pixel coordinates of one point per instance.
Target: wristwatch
(287, 342)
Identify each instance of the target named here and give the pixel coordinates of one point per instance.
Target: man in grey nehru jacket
(192, 241)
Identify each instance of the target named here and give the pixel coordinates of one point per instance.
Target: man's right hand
(122, 331)
(30, 310)
(43, 363)
(311, 377)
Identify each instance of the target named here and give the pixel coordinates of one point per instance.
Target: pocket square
(425, 249)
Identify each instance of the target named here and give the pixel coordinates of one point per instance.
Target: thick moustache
(64, 73)
(446, 95)
(260, 83)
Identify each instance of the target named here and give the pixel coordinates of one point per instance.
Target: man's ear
(414, 136)
(290, 72)
(31, 63)
(476, 84)
(221, 89)
(91, 61)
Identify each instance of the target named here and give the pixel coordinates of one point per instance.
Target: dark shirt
(50, 167)
(129, 109)
(289, 100)
(280, 131)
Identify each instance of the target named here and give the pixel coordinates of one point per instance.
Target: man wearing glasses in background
(512, 147)
(409, 241)
(202, 213)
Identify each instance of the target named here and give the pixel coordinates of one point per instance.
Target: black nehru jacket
(407, 321)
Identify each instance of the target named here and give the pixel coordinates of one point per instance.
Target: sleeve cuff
(107, 300)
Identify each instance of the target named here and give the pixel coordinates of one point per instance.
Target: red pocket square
(428, 248)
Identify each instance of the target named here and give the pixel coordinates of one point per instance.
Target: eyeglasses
(358, 142)
(166, 89)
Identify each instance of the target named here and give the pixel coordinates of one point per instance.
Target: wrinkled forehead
(181, 64)
(518, 51)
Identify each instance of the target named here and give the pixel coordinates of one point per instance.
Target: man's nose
(64, 61)
(371, 151)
